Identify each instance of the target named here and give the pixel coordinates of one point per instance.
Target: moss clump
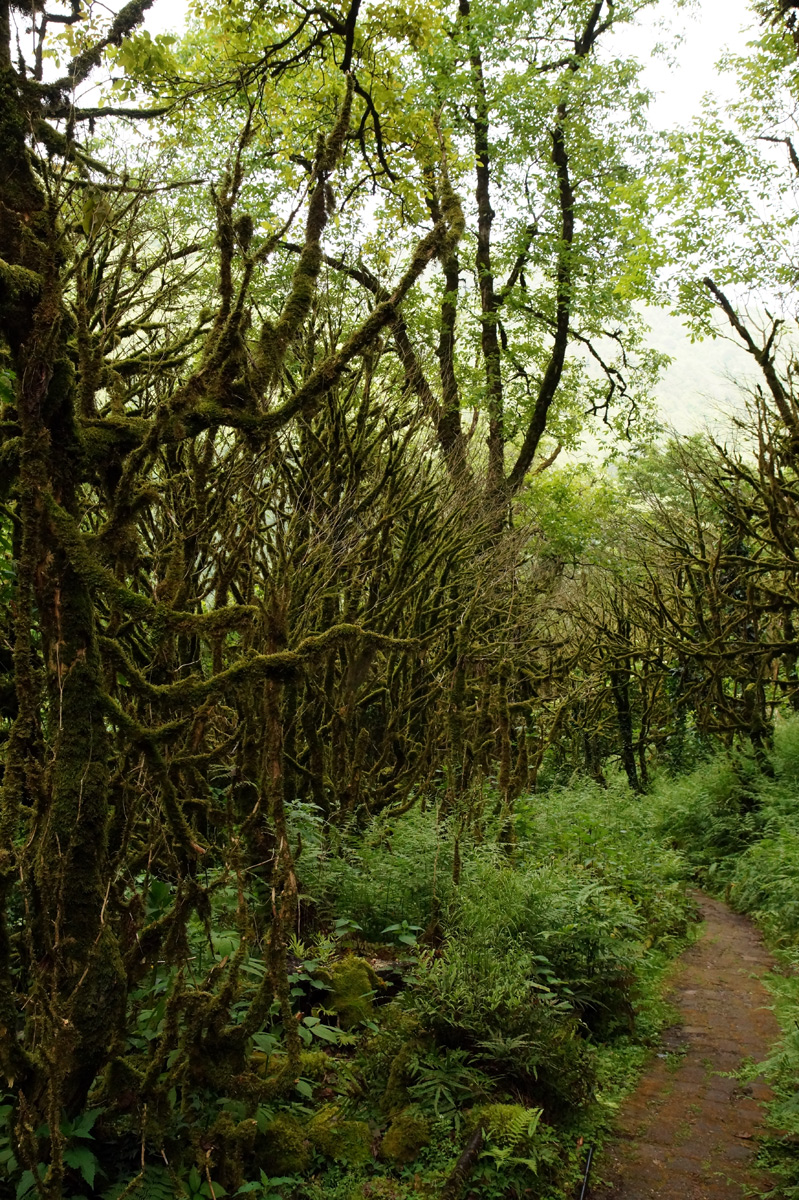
(407, 1134)
(312, 1064)
(352, 984)
(348, 1142)
(315, 1064)
(231, 1140)
(396, 1097)
(284, 1147)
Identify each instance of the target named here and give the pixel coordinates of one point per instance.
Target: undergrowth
(444, 978)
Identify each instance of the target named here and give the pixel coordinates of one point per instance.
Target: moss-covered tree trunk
(58, 753)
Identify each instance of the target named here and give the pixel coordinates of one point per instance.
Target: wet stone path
(688, 1133)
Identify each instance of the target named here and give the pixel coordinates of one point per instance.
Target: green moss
(344, 1141)
(312, 1064)
(279, 1076)
(352, 985)
(315, 1064)
(284, 1148)
(231, 1140)
(407, 1134)
(19, 282)
(98, 1010)
(396, 1097)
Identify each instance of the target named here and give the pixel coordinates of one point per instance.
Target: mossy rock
(396, 1097)
(348, 1142)
(352, 984)
(284, 1148)
(507, 1125)
(407, 1134)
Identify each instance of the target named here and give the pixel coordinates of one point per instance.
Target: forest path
(688, 1133)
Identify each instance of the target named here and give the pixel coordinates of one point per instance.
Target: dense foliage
(318, 672)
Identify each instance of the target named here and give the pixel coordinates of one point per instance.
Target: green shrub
(786, 751)
(387, 873)
(613, 835)
(739, 829)
(533, 955)
(713, 814)
(533, 972)
(765, 883)
(517, 1146)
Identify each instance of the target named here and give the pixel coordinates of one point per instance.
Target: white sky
(166, 16)
(693, 39)
(700, 387)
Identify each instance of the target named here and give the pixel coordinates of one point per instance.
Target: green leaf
(212, 1190)
(82, 1159)
(83, 1125)
(8, 1161)
(7, 386)
(263, 1118)
(27, 1182)
(327, 1033)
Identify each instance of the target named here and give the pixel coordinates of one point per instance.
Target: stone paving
(688, 1133)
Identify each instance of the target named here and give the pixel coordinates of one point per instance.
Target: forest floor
(690, 1129)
